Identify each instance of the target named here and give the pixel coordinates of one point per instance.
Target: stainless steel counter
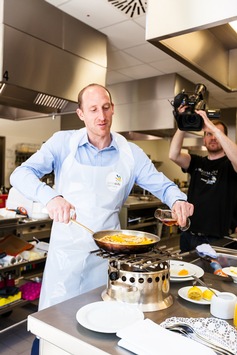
(25, 228)
(142, 201)
(62, 334)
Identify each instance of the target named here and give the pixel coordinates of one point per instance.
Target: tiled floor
(16, 340)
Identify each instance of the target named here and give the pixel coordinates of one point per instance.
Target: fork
(188, 331)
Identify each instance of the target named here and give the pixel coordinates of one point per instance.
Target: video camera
(189, 120)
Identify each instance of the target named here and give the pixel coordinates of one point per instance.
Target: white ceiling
(130, 56)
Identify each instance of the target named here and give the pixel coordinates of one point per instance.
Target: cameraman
(213, 183)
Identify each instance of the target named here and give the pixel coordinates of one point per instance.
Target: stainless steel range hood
(46, 57)
(198, 35)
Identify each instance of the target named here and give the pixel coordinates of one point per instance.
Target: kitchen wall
(29, 131)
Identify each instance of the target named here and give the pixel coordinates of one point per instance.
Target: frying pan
(122, 248)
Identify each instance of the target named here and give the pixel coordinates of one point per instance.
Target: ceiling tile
(114, 77)
(168, 65)
(120, 59)
(95, 13)
(140, 71)
(125, 34)
(146, 53)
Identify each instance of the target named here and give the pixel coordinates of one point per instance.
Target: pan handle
(82, 225)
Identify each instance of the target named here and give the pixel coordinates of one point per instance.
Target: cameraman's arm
(229, 147)
(175, 154)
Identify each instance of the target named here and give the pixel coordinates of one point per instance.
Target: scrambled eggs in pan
(126, 239)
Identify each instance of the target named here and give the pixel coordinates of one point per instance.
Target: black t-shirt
(213, 192)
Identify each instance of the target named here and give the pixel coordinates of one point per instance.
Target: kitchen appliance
(143, 280)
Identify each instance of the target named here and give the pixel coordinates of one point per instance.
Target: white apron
(98, 194)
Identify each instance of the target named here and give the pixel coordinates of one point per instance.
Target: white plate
(174, 264)
(175, 269)
(108, 317)
(183, 293)
(227, 271)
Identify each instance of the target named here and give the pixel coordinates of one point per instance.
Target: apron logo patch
(114, 181)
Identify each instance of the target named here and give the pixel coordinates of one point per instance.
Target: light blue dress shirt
(50, 157)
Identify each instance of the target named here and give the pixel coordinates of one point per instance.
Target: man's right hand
(60, 210)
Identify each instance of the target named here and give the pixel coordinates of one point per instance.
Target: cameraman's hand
(182, 108)
(207, 124)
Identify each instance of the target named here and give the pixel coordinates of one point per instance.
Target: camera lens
(190, 122)
(190, 119)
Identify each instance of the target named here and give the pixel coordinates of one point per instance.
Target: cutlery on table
(190, 332)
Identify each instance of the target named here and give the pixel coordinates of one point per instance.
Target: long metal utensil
(204, 284)
(82, 225)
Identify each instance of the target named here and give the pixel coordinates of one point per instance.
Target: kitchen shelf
(24, 271)
(20, 265)
(22, 276)
(8, 307)
(21, 157)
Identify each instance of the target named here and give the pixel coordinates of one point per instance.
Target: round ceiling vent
(130, 7)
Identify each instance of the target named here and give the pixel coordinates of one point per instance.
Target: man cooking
(95, 170)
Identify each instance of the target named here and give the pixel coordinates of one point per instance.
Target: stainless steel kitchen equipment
(137, 274)
(30, 84)
(142, 279)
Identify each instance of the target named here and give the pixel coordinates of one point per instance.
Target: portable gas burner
(141, 279)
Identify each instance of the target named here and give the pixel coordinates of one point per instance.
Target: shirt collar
(84, 141)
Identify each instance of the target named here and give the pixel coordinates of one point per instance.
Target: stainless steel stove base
(148, 307)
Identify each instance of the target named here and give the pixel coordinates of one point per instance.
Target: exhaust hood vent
(26, 99)
(50, 101)
(44, 64)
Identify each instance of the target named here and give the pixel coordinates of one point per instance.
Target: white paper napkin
(145, 337)
(206, 249)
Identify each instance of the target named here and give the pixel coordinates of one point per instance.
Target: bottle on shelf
(10, 279)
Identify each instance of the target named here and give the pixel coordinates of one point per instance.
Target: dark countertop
(58, 324)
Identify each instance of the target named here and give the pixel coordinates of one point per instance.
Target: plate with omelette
(197, 294)
(183, 271)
